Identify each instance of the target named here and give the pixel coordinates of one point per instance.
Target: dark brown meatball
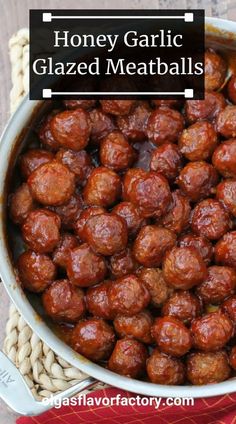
(225, 250)
(70, 212)
(166, 103)
(36, 271)
(202, 244)
(207, 368)
(133, 126)
(167, 159)
(198, 141)
(128, 296)
(93, 338)
(117, 107)
(163, 369)
(215, 70)
(177, 219)
(103, 187)
(106, 233)
(78, 162)
(32, 159)
(209, 108)
(131, 215)
(184, 268)
(52, 184)
(182, 305)
(225, 123)
(231, 89)
(76, 104)
(21, 204)
(41, 230)
(97, 300)
(224, 158)
(220, 284)
(158, 289)
(229, 307)
(138, 326)
(197, 180)
(210, 219)
(62, 252)
(71, 129)
(84, 217)
(131, 176)
(122, 263)
(128, 358)
(171, 336)
(164, 125)
(85, 268)
(226, 194)
(151, 245)
(115, 152)
(64, 302)
(232, 358)
(212, 331)
(45, 135)
(101, 125)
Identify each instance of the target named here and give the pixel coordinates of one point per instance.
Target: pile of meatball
(127, 212)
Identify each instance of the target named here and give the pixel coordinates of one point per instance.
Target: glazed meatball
(207, 367)
(122, 263)
(131, 215)
(212, 331)
(210, 219)
(225, 123)
(183, 268)
(224, 158)
(164, 369)
(128, 296)
(220, 284)
(103, 187)
(62, 252)
(231, 89)
(133, 126)
(21, 204)
(226, 194)
(36, 271)
(77, 104)
(167, 160)
(151, 244)
(93, 338)
(215, 70)
(182, 305)
(209, 108)
(101, 125)
(41, 230)
(70, 211)
(131, 176)
(225, 250)
(106, 233)
(32, 159)
(164, 125)
(45, 135)
(128, 358)
(117, 107)
(171, 336)
(115, 152)
(177, 219)
(138, 326)
(198, 141)
(158, 289)
(232, 358)
(84, 217)
(97, 300)
(197, 180)
(78, 162)
(71, 129)
(166, 103)
(52, 184)
(64, 302)
(202, 244)
(229, 307)
(85, 268)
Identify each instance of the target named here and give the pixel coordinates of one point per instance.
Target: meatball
(128, 358)
(78, 162)
(103, 187)
(36, 271)
(212, 331)
(85, 268)
(210, 219)
(151, 244)
(202, 244)
(62, 252)
(198, 141)
(21, 204)
(153, 279)
(231, 89)
(207, 367)
(128, 296)
(209, 108)
(70, 211)
(41, 230)
(226, 194)
(131, 176)
(229, 307)
(138, 326)
(164, 125)
(215, 70)
(133, 126)
(64, 302)
(197, 180)
(122, 263)
(117, 107)
(45, 135)
(106, 233)
(166, 103)
(177, 219)
(84, 217)
(163, 369)
(77, 104)
(52, 184)
(224, 158)
(183, 268)
(232, 358)
(115, 152)
(131, 215)
(167, 159)
(93, 338)
(97, 300)
(225, 250)
(71, 129)
(182, 305)
(220, 284)
(171, 336)
(101, 125)
(32, 159)
(225, 123)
